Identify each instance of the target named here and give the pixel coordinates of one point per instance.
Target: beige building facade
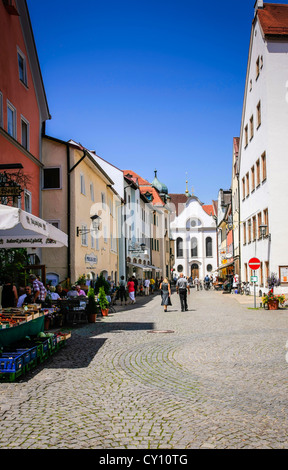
(78, 196)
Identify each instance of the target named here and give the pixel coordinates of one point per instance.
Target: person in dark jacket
(9, 294)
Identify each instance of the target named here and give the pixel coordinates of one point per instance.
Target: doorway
(194, 271)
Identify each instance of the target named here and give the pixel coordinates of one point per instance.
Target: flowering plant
(270, 297)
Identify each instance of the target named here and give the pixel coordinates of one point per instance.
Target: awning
(149, 267)
(136, 265)
(19, 229)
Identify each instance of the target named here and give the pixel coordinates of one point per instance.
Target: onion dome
(161, 187)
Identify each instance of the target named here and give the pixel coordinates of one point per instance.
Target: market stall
(23, 340)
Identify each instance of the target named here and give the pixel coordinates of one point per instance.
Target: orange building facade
(23, 104)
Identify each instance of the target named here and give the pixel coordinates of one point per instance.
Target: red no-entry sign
(254, 263)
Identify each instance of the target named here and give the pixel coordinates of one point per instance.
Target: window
(265, 219)
(249, 231)
(244, 233)
(209, 268)
(258, 172)
(194, 247)
(11, 120)
(258, 114)
(179, 247)
(246, 136)
(251, 127)
(103, 200)
(252, 178)
(208, 246)
(92, 192)
(82, 184)
(263, 158)
(84, 238)
(27, 201)
(254, 228)
(51, 178)
(257, 67)
(22, 67)
(25, 133)
(259, 217)
(243, 188)
(247, 184)
(55, 223)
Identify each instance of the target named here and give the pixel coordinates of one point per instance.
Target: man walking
(146, 286)
(181, 288)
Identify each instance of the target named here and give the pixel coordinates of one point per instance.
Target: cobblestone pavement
(212, 377)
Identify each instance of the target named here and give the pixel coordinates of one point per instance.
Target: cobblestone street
(214, 377)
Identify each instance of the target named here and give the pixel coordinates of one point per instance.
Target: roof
(179, 200)
(273, 19)
(156, 198)
(141, 181)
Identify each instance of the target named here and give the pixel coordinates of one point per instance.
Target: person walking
(131, 290)
(165, 293)
(146, 286)
(122, 290)
(182, 287)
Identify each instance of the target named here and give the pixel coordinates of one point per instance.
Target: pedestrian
(165, 293)
(135, 284)
(9, 293)
(38, 289)
(146, 286)
(196, 282)
(182, 287)
(131, 291)
(235, 283)
(122, 290)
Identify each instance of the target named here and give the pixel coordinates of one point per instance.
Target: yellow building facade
(86, 206)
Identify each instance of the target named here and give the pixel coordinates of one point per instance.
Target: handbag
(169, 301)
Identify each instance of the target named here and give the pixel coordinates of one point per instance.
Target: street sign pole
(254, 290)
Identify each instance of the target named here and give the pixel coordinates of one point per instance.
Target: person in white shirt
(146, 286)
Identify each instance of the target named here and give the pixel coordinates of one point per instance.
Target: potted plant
(101, 282)
(103, 302)
(273, 281)
(91, 307)
(272, 301)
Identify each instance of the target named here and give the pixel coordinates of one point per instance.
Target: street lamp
(95, 226)
(263, 231)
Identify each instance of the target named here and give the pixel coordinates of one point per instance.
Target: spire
(187, 192)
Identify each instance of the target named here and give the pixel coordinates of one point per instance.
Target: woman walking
(165, 293)
(131, 290)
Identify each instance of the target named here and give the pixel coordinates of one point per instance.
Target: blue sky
(148, 84)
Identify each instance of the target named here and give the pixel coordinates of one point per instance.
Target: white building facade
(263, 148)
(193, 228)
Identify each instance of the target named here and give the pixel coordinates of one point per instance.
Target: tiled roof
(209, 209)
(141, 181)
(273, 19)
(179, 200)
(156, 198)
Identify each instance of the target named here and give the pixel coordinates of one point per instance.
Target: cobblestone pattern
(212, 377)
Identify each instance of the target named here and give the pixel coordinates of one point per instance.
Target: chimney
(258, 4)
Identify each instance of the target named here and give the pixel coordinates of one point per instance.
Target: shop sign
(91, 259)
(10, 191)
(254, 279)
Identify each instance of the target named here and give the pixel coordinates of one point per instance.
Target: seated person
(60, 291)
(52, 294)
(72, 293)
(80, 291)
(26, 298)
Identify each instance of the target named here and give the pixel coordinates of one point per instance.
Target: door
(194, 271)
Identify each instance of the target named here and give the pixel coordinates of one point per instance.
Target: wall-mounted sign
(10, 191)
(283, 274)
(91, 259)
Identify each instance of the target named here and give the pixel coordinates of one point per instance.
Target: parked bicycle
(245, 288)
